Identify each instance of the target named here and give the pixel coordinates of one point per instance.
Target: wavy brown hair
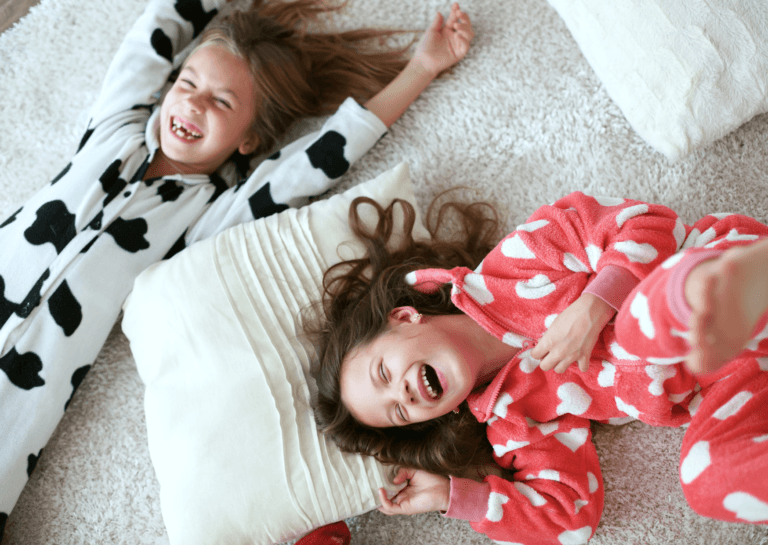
(298, 73)
(359, 295)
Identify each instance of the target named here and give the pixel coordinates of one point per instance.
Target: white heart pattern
(630, 212)
(573, 399)
(573, 439)
(733, 405)
(536, 499)
(696, 461)
(746, 506)
(575, 537)
(537, 287)
(474, 285)
(640, 310)
(514, 247)
(495, 511)
(635, 252)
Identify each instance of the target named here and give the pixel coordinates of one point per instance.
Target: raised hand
(727, 296)
(573, 334)
(424, 492)
(445, 42)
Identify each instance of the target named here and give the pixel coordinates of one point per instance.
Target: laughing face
(207, 113)
(419, 369)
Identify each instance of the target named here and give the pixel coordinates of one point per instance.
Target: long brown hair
(358, 297)
(298, 73)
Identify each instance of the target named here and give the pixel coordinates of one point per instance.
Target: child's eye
(399, 410)
(381, 372)
(224, 103)
(188, 83)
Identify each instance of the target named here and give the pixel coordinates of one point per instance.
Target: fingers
(437, 22)
(388, 507)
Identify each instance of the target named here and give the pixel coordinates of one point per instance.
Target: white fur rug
(523, 119)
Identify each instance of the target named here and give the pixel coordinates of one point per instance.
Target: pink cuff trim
(676, 285)
(469, 500)
(612, 284)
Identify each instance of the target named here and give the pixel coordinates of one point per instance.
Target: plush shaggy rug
(523, 119)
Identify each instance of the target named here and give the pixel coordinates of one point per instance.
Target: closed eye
(188, 83)
(400, 414)
(382, 374)
(224, 103)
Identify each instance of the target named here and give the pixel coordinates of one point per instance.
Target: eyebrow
(374, 364)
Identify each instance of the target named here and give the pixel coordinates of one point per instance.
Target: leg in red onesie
(724, 456)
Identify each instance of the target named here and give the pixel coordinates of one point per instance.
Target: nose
(195, 102)
(408, 396)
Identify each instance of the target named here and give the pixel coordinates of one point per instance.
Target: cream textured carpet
(523, 119)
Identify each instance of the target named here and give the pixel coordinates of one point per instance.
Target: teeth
(431, 392)
(182, 132)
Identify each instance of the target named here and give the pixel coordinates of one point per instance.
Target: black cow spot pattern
(327, 154)
(170, 190)
(23, 370)
(262, 205)
(32, 299)
(111, 182)
(274, 157)
(85, 138)
(178, 246)
(139, 174)
(3, 520)
(6, 307)
(76, 380)
(95, 223)
(162, 45)
(65, 309)
(61, 174)
(129, 234)
(88, 246)
(11, 218)
(193, 11)
(54, 224)
(32, 462)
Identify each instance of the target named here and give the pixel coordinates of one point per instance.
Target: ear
(249, 144)
(401, 315)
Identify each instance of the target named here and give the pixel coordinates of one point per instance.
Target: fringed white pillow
(231, 433)
(684, 72)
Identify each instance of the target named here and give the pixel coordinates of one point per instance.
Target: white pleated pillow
(231, 433)
(684, 72)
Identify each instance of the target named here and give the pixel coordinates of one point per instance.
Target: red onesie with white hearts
(628, 252)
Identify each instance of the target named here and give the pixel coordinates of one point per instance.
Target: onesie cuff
(469, 500)
(676, 285)
(612, 284)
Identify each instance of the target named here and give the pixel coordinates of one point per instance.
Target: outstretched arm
(443, 44)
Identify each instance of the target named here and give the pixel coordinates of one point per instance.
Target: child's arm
(442, 45)
(311, 165)
(555, 495)
(142, 64)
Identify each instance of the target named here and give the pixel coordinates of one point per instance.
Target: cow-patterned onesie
(539, 422)
(69, 256)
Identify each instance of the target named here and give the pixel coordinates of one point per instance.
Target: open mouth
(431, 382)
(185, 133)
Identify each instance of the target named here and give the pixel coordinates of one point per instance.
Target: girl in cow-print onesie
(148, 178)
(440, 359)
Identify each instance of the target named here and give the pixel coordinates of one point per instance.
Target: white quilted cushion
(684, 72)
(231, 433)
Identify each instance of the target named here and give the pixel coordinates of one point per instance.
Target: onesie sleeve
(555, 495)
(144, 60)
(653, 324)
(305, 168)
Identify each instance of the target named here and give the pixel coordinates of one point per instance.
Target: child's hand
(424, 492)
(573, 334)
(443, 45)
